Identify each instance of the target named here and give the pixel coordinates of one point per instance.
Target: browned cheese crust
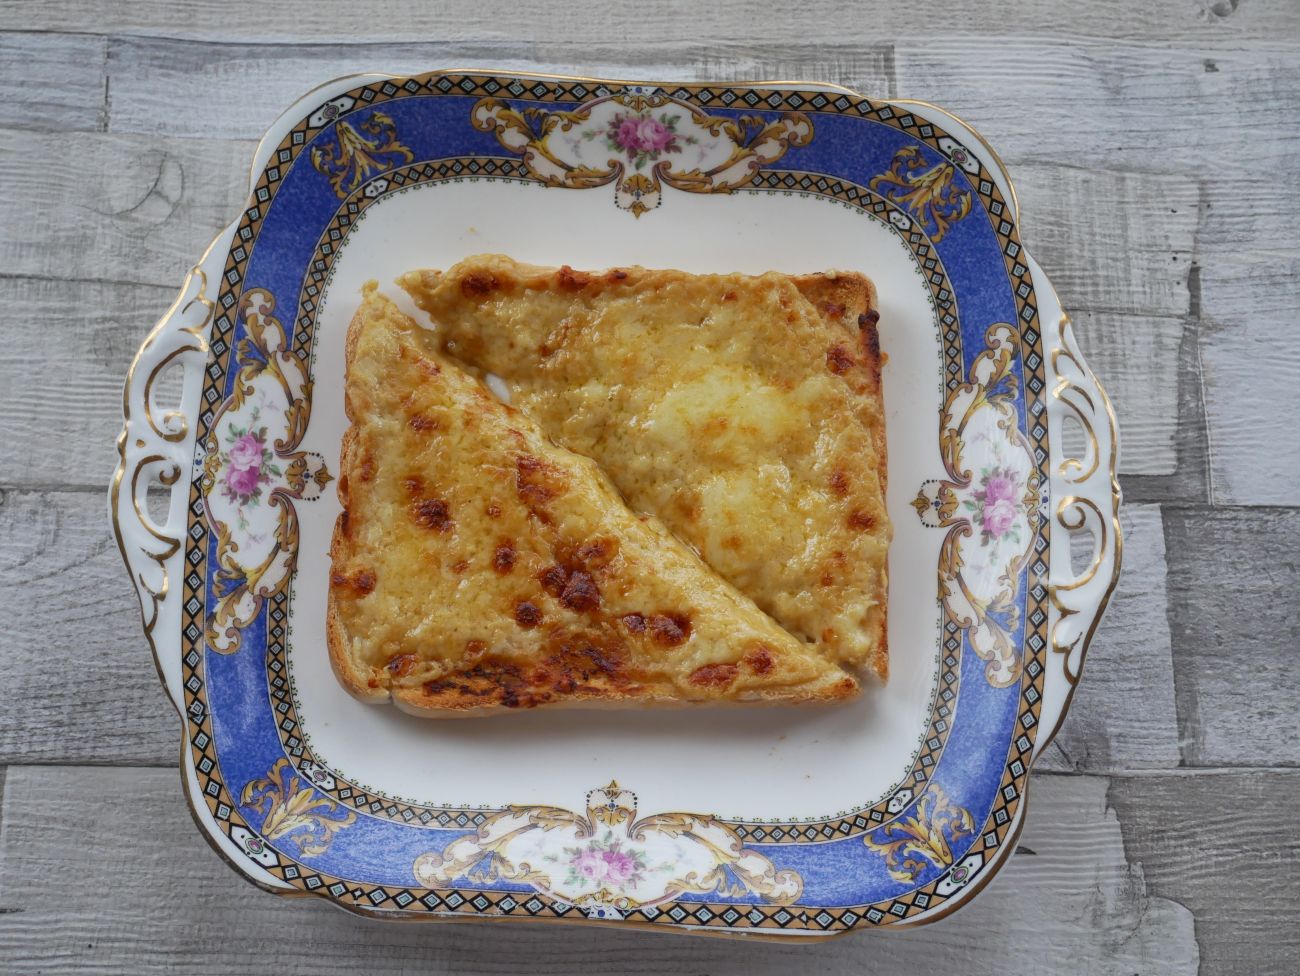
(477, 566)
(743, 411)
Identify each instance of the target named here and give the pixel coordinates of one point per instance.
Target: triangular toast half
(478, 566)
(743, 411)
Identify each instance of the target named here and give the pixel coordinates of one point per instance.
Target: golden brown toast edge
(355, 683)
(846, 300)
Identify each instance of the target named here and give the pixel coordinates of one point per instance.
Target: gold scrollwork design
(608, 858)
(254, 470)
(359, 152)
(925, 188)
(926, 835)
(1075, 389)
(990, 513)
(293, 811)
(639, 140)
(147, 451)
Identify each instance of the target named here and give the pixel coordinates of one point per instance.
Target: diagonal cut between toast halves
(745, 412)
(478, 566)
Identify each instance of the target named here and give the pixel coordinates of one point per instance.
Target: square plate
(892, 809)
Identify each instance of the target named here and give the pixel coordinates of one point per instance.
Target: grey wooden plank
(818, 21)
(1123, 715)
(1137, 360)
(127, 208)
(1250, 299)
(110, 876)
(1116, 104)
(157, 82)
(865, 64)
(52, 81)
(1221, 846)
(1235, 622)
(1112, 241)
(1150, 372)
(1254, 448)
(46, 422)
(76, 675)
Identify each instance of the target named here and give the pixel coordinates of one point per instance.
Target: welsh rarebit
(477, 566)
(745, 412)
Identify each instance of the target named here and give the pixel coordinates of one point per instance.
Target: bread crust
(847, 300)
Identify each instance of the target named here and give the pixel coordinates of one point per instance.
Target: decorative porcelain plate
(793, 822)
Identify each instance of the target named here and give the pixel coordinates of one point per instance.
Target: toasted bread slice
(478, 566)
(729, 406)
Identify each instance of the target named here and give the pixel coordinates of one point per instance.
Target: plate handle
(1083, 512)
(156, 448)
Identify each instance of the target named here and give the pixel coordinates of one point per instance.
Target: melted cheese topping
(726, 405)
(479, 565)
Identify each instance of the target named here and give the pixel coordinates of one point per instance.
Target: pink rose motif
(246, 452)
(642, 134)
(627, 134)
(653, 135)
(998, 515)
(592, 865)
(998, 488)
(619, 867)
(243, 481)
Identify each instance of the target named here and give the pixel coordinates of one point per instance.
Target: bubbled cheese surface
(478, 565)
(728, 406)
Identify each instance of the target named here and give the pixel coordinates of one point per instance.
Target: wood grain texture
(1221, 845)
(52, 81)
(1122, 364)
(76, 676)
(155, 83)
(817, 22)
(50, 412)
(1138, 360)
(1235, 623)
(1123, 716)
(1115, 242)
(1249, 267)
(153, 898)
(1254, 447)
(119, 208)
(1149, 107)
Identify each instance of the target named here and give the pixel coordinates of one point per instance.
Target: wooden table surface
(1160, 181)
